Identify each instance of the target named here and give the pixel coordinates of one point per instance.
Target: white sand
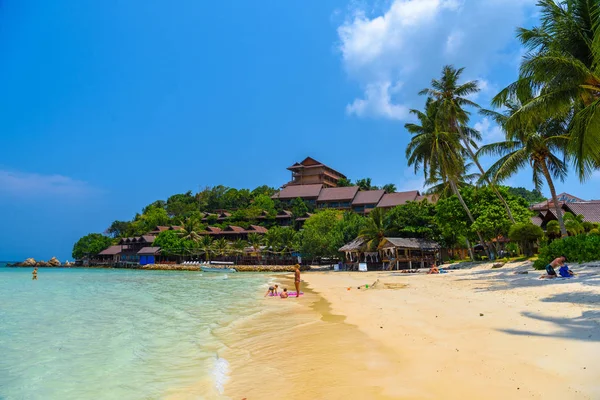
(536, 339)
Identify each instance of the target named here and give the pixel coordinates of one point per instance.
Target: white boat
(217, 266)
(213, 269)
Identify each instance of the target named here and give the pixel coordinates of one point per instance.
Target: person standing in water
(34, 273)
(297, 280)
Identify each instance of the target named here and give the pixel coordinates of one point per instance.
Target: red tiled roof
(537, 220)
(148, 238)
(213, 229)
(368, 197)
(338, 194)
(302, 191)
(399, 198)
(149, 250)
(432, 198)
(257, 229)
(233, 228)
(112, 250)
(590, 210)
(284, 214)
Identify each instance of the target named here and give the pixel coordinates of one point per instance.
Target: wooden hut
(408, 252)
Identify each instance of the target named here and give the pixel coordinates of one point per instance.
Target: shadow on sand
(585, 327)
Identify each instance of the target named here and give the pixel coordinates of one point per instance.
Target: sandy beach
(474, 333)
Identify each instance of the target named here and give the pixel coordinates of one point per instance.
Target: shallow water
(119, 334)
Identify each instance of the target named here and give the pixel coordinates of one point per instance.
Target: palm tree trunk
(557, 209)
(466, 208)
(490, 184)
(470, 249)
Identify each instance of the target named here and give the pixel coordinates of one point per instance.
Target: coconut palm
(573, 223)
(189, 230)
(220, 247)
(289, 240)
(255, 241)
(451, 99)
(389, 188)
(439, 153)
(375, 230)
(205, 245)
(563, 68)
(272, 239)
(540, 146)
(238, 247)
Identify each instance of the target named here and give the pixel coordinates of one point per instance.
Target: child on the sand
(272, 291)
(284, 294)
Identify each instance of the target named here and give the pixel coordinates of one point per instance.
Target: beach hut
(403, 252)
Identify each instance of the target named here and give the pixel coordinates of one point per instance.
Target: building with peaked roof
(366, 200)
(313, 172)
(338, 198)
(391, 200)
(563, 198)
(589, 210)
(308, 193)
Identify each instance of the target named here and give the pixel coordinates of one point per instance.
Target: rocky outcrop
(67, 264)
(30, 262)
(53, 262)
(42, 264)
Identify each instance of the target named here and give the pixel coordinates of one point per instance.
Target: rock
(53, 262)
(481, 315)
(498, 265)
(67, 263)
(42, 263)
(30, 262)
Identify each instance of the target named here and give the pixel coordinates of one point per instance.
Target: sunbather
(433, 270)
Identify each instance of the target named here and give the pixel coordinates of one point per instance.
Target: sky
(108, 106)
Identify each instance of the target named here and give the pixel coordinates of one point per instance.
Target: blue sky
(108, 106)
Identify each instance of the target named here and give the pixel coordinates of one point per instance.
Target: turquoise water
(118, 334)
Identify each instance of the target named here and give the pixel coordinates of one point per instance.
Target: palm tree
(289, 240)
(541, 147)
(439, 153)
(563, 67)
(553, 229)
(255, 241)
(205, 246)
(220, 247)
(238, 247)
(189, 230)
(574, 223)
(451, 98)
(375, 230)
(389, 188)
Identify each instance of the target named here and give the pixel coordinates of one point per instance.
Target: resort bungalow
(563, 198)
(157, 230)
(308, 193)
(148, 255)
(339, 198)
(232, 232)
(391, 200)
(284, 218)
(403, 252)
(366, 200)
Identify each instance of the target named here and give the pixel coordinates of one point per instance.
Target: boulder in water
(42, 263)
(67, 263)
(30, 262)
(53, 262)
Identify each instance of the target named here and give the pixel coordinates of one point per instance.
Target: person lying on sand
(433, 270)
(284, 294)
(272, 291)
(550, 272)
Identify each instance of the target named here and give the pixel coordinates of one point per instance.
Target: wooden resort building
(392, 253)
(313, 172)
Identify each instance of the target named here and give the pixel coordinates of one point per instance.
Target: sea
(119, 334)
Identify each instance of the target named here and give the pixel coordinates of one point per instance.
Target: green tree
(574, 224)
(562, 68)
(526, 234)
(220, 247)
(413, 219)
(553, 229)
(389, 188)
(170, 243)
(375, 229)
(451, 98)
(119, 229)
(206, 246)
(264, 190)
(344, 182)
(299, 208)
(439, 153)
(255, 241)
(540, 146)
(531, 196)
(350, 226)
(90, 245)
(320, 238)
(181, 205)
(365, 184)
(189, 231)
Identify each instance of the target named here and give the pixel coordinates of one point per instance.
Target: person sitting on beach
(550, 272)
(284, 294)
(34, 273)
(272, 291)
(433, 270)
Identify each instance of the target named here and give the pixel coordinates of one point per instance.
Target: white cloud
(410, 41)
(378, 103)
(36, 185)
(490, 132)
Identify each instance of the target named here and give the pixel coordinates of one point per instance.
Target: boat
(218, 266)
(212, 269)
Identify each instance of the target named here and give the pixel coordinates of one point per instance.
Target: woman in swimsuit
(297, 280)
